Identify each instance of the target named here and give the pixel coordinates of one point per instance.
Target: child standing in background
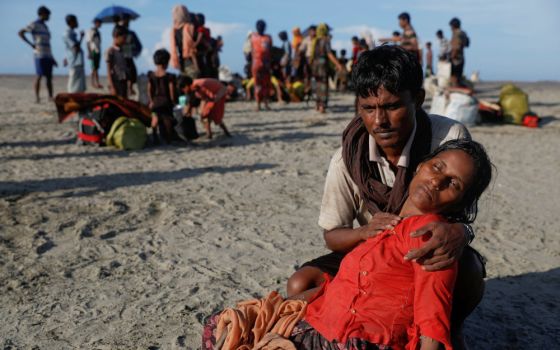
(161, 94)
(94, 52)
(116, 64)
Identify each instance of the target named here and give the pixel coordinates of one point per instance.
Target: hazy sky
(510, 39)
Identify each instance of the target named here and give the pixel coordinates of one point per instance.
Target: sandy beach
(106, 249)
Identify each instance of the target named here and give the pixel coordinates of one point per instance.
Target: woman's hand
(378, 223)
(442, 249)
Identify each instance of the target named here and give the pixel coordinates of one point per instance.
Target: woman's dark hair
(261, 26)
(390, 66)
(480, 181)
(439, 33)
(119, 31)
(405, 16)
(342, 52)
(184, 80)
(283, 35)
(396, 33)
(162, 57)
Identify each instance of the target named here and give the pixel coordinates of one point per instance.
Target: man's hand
(378, 223)
(442, 249)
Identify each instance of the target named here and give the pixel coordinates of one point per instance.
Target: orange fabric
(379, 297)
(187, 47)
(297, 39)
(207, 89)
(251, 321)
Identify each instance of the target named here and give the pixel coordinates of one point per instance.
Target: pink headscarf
(181, 21)
(180, 16)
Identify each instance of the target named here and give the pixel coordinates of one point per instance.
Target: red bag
(90, 130)
(531, 120)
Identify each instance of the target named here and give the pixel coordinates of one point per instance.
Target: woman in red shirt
(380, 301)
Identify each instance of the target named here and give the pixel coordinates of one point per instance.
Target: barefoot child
(212, 94)
(116, 64)
(161, 94)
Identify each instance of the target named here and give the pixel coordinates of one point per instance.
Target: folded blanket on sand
(67, 104)
(263, 324)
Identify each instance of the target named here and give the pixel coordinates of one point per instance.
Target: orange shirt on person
(207, 89)
(379, 297)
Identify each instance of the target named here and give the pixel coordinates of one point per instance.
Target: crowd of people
(292, 72)
(194, 53)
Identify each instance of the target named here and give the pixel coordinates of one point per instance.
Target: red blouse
(379, 297)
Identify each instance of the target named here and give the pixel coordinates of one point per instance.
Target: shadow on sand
(88, 185)
(514, 310)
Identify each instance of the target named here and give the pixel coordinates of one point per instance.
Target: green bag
(514, 102)
(127, 133)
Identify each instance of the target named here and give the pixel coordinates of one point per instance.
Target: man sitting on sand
(368, 177)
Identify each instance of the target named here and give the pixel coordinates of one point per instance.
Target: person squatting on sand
(378, 300)
(368, 178)
(212, 94)
(41, 45)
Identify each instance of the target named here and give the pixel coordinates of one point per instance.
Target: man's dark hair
(261, 26)
(97, 20)
(184, 80)
(480, 181)
(405, 16)
(43, 10)
(70, 19)
(200, 19)
(455, 22)
(119, 31)
(429, 44)
(396, 33)
(390, 66)
(439, 33)
(162, 57)
(355, 38)
(283, 35)
(342, 52)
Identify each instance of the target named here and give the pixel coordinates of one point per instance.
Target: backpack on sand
(90, 130)
(127, 134)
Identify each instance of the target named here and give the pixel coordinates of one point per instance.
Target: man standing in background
(41, 45)
(409, 40)
(74, 56)
(94, 52)
(459, 41)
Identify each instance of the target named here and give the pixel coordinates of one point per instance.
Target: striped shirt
(41, 38)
